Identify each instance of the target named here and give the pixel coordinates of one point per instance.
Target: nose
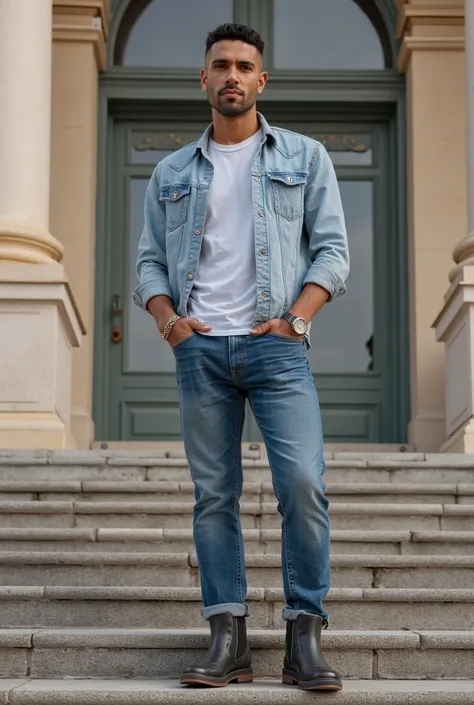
(232, 76)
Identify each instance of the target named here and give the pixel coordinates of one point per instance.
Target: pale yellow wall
(78, 54)
(73, 195)
(434, 63)
(437, 221)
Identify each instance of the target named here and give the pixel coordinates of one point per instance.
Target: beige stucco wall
(436, 124)
(437, 220)
(78, 53)
(73, 195)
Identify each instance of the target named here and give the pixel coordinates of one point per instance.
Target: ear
(204, 79)
(262, 82)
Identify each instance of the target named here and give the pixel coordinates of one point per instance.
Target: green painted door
(356, 356)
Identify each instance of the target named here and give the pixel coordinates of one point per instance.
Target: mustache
(230, 88)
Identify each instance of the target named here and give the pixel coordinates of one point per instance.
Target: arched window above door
(329, 35)
(163, 34)
(313, 35)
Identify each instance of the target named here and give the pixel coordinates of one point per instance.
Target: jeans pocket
(182, 342)
(285, 338)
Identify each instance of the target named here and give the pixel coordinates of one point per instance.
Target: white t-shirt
(224, 293)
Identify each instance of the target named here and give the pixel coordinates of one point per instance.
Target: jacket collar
(203, 143)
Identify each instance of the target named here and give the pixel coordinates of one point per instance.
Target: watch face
(300, 326)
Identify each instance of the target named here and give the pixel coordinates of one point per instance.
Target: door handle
(116, 334)
(117, 310)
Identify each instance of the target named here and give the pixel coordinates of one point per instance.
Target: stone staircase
(99, 583)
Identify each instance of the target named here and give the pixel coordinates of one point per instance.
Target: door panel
(352, 355)
(342, 331)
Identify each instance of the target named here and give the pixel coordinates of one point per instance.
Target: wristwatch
(299, 325)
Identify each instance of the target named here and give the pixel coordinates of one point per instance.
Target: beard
(235, 106)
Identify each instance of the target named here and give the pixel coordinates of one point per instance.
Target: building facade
(94, 93)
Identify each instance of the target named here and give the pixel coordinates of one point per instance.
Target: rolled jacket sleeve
(152, 268)
(326, 227)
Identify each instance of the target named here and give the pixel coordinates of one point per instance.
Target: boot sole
(244, 676)
(318, 684)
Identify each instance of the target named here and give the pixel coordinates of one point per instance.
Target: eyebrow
(240, 62)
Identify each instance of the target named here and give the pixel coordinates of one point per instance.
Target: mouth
(231, 92)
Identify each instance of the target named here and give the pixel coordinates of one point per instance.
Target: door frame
(127, 101)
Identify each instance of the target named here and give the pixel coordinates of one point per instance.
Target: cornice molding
(94, 8)
(409, 16)
(84, 35)
(83, 21)
(411, 44)
(412, 39)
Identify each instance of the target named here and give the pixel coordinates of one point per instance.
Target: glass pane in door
(172, 34)
(342, 333)
(144, 351)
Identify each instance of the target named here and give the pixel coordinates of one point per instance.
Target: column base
(426, 432)
(462, 441)
(82, 428)
(34, 431)
(455, 328)
(40, 327)
(25, 242)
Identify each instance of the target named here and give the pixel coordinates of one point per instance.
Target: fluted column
(25, 131)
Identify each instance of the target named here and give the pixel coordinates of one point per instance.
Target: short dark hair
(238, 32)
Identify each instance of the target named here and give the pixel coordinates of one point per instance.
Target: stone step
(358, 542)
(154, 466)
(163, 653)
(261, 692)
(168, 491)
(174, 608)
(254, 515)
(263, 570)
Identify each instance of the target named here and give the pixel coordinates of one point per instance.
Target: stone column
(39, 320)
(455, 324)
(431, 56)
(25, 129)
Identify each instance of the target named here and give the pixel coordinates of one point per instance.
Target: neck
(232, 130)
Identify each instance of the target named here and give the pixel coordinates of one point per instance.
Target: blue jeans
(216, 375)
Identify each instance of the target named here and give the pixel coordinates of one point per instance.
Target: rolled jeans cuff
(236, 609)
(291, 615)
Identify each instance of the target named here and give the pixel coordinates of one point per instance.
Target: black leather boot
(304, 663)
(228, 657)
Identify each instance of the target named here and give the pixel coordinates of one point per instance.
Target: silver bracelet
(169, 326)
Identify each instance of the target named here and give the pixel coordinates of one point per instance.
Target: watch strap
(289, 317)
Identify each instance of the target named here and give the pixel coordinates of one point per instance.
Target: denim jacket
(299, 227)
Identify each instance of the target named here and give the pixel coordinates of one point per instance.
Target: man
(244, 242)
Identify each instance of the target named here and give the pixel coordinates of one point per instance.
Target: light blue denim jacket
(300, 232)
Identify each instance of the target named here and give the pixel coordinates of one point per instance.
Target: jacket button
(289, 179)
(190, 276)
(197, 231)
(263, 252)
(264, 293)
(175, 196)
(260, 213)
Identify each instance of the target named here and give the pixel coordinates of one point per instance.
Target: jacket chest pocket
(288, 193)
(176, 200)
